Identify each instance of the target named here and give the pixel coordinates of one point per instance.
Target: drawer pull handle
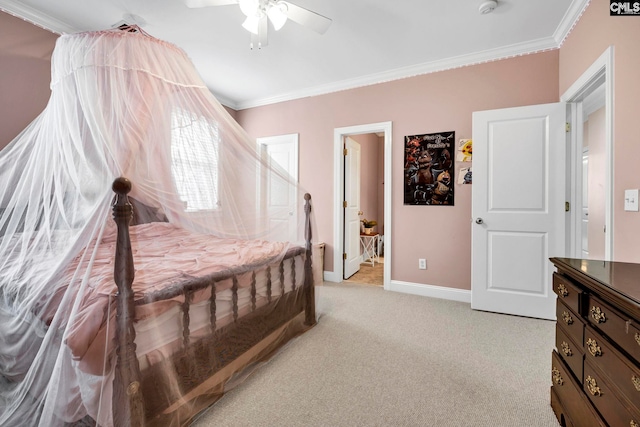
(633, 424)
(598, 315)
(562, 290)
(592, 386)
(567, 318)
(556, 377)
(637, 337)
(636, 382)
(566, 349)
(594, 348)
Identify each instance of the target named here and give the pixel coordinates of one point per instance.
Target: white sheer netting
(122, 104)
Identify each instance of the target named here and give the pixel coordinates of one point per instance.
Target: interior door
(518, 200)
(352, 211)
(281, 154)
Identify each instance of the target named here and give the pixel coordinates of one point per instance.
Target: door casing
(600, 72)
(338, 140)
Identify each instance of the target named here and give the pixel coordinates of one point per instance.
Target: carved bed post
(128, 407)
(309, 302)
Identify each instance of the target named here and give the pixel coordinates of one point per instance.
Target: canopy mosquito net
(124, 104)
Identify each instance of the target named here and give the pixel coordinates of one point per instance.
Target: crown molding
(475, 58)
(36, 17)
(569, 20)
(575, 11)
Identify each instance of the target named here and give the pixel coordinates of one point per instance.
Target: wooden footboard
(139, 397)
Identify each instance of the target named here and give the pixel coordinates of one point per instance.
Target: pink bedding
(163, 255)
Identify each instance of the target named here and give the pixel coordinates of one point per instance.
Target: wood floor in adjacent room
(368, 274)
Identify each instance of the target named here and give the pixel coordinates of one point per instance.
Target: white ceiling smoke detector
(487, 6)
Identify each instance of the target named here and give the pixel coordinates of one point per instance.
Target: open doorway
(590, 114)
(341, 239)
(364, 169)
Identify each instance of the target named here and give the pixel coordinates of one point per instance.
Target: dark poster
(428, 169)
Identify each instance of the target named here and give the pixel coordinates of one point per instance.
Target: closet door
(518, 208)
(281, 200)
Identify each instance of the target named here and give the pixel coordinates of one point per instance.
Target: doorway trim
(601, 69)
(338, 168)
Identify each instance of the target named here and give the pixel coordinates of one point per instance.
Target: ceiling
(369, 41)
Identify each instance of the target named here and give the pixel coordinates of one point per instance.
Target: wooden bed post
(309, 302)
(128, 409)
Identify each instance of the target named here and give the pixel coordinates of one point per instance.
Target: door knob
(479, 221)
(359, 212)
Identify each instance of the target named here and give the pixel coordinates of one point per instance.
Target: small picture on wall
(465, 150)
(464, 176)
(428, 169)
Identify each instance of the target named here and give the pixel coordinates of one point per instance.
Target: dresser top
(618, 278)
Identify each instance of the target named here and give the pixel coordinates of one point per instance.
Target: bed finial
(121, 186)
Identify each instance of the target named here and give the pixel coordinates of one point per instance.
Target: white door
(352, 212)
(281, 155)
(518, 199)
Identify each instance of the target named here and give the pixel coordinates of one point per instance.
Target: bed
(190, 326)
(260, 319)
(83, 341)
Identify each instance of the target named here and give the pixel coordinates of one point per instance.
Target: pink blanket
(163, 255)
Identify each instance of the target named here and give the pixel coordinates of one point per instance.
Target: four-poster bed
(141, 308)
(136, 396)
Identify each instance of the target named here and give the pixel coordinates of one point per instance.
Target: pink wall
(429, 103)
(596, 31)
(25, 73)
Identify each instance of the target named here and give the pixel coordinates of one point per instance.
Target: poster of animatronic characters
(428, 169)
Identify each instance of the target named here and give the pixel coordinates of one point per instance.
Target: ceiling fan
(259, 12)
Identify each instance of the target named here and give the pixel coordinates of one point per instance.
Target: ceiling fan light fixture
(277, 13)
(251, 24)
(249, 7)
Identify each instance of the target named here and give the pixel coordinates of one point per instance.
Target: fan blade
(261, 40)
(307, 18)
(205, 3)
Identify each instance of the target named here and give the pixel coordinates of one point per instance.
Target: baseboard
(331, 276)
(432, 291)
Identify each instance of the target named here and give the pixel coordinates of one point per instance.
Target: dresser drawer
(569, 293)
(615, 325)
(570, 322)
(570, 352)
(558, 410)
(573, 403)
(614, 365)
(614, 410)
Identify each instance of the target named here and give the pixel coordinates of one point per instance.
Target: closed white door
(352, 211)
(518, 200)
(280, 197)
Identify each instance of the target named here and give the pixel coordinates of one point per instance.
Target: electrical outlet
(422, 264)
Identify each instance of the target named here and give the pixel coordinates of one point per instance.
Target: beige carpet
(380, 358)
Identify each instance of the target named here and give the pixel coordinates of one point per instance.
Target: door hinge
(344, 256)
(344, 204)
(567, 206)
(567, 127)
(345, 151)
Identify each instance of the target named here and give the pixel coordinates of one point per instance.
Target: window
(195, 156)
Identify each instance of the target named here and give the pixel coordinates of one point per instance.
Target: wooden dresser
(595, 368)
